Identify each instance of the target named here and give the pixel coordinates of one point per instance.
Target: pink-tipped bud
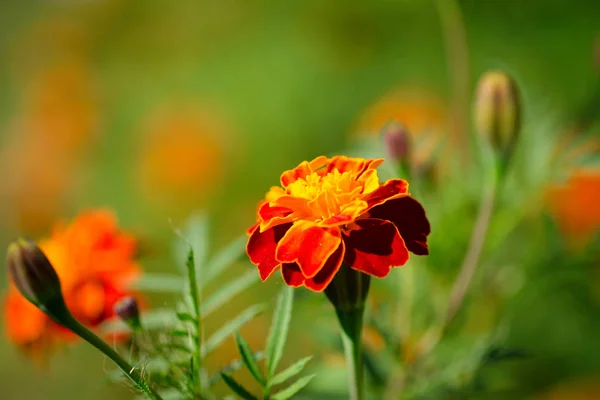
(33, 275)
(129, 312)
(497, 111)
(397, 143)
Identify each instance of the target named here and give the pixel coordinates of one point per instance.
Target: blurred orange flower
(334, 211)
(54, 126)
(94, 261)
(181, 158)
(574, 205)
(422, 113)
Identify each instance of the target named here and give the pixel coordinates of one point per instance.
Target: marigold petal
(267, 212)
(356, 165)
(292, 275)
(261, 249)
(392, 189)
(409, 217)
(302, 171)
(309, 245)
(320, 281)
(375, 247)
(252, 228)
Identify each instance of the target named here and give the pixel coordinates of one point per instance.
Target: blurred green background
(156, 109)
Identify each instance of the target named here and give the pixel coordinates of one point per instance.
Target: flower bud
(397, 143)
(128, 310)
(34, 276)
(497, 111)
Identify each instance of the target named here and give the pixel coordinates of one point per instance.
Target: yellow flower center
(334, 194)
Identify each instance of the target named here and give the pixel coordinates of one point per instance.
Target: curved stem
(131, 372)
(471, 260)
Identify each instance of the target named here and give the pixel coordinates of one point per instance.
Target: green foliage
(249, 360)
(279, 330)
(274, 350)
(237, 388)
(173, 341)
(293, 389)
(290, 371)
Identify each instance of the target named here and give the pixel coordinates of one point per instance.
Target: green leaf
(294, 388)
(195, 234)
(230, 327)
(232, 367)
(226, 292)
(223, 259)
(279, 330)
(290, 371)
(153, 282)
(248, 359)
(237, 388)
(185, 317)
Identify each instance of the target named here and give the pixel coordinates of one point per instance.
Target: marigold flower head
(334, 211)
(94, 262)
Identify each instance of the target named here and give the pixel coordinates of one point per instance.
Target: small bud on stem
(128, 310)
(497, 112)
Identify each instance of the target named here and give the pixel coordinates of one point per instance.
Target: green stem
(351, 323)
(348, 293)
(195, 297)
(131, 372)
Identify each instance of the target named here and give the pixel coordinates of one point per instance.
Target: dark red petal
(308, 245)
(261, 249)
(409, 217)
(390, 190)
(375, 247)
(292, 275)
(320, 281)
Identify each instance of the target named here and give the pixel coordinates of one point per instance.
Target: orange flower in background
(181, 158)
(574, 205)
(334, 211)
(49, 134)
(423, 114)
(95, 263)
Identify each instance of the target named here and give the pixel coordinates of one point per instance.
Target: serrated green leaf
(290, 371)
(294, 388)
(227, 291)
(279, 330)
(160, 283)
(248, 359)
(223, 259)
(237, 388)
(230, 327)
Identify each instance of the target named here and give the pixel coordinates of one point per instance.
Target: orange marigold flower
(332, 211)
(94, 261)
(574, 205)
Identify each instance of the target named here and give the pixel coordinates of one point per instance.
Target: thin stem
(195, 297)
(471, 260)
(131, 372)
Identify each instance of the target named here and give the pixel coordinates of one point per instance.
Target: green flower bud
(35, 278)
(497, 111)
(128, 310)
